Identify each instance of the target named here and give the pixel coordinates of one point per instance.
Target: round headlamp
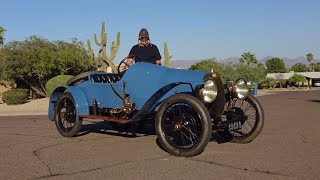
(240, 88)
(209, 91)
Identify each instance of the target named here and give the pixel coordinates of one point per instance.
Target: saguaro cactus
(103, 61)
(167, 57)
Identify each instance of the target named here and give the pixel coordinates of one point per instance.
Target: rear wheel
(250, 113)
(183, 125)
(66, 119)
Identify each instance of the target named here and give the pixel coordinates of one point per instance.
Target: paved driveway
(288, 148)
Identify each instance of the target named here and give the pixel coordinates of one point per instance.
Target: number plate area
(234, 126)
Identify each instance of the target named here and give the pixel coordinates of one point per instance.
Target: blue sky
(193, 29)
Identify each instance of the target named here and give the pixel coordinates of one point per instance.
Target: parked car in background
(316, 83)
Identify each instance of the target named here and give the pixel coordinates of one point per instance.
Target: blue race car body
(185, 105)
(143, 81)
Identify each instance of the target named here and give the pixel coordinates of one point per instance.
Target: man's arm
(130, 56)
(157, 55)
(129, 62)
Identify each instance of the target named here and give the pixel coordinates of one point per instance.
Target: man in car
(144, 51)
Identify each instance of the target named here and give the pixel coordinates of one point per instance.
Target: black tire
(193, 118)
(66, 119)
(256, 128)
(78, 78)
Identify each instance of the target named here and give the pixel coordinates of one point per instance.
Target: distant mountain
(230, 60)
(185, 64)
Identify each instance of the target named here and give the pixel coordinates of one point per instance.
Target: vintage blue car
(187, 106)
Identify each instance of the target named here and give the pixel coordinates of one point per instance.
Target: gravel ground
(33, 107)
(39, 106)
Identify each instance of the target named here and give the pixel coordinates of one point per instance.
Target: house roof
(285, 75)
(311, 75)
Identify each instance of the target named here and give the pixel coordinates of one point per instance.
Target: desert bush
(55, 82)
(16, 96)
(296, 79)
(268, 83)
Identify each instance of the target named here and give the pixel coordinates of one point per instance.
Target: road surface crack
(85, 171)
(36, 154)
(243, 169)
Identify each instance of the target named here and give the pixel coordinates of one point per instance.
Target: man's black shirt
(149, 53)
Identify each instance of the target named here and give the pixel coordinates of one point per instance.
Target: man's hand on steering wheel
(127, 61)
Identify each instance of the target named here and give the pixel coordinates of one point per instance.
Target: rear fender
(82, 106)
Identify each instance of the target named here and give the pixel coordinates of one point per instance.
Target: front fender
(82, 106)
(155, 98)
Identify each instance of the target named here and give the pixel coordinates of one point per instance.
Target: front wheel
(250, 113)
(183, 125)
(66, 119)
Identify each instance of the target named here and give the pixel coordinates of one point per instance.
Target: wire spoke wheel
(249, 112)
(183, 125)
(66, 114)
(66, 119)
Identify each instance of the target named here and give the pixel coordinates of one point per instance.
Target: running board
(105, 118)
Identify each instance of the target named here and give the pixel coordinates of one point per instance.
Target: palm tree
(310, 59)
(248, 58)
(2, 30)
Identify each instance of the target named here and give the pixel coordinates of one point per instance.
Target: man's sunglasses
(144, 37)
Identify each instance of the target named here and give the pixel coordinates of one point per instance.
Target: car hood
(163, 74)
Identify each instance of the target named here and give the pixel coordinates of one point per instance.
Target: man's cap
(143, 32)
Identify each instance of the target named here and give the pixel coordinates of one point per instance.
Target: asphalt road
(287, 148)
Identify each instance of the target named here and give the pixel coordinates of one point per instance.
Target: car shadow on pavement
(314, 100)
(128, 130)
(220, 137)
(141, 129)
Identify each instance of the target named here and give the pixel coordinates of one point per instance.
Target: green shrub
(15, 96)
(55, 82)
(296, 79)
(268, 83)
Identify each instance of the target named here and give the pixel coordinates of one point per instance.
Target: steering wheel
(123, 61)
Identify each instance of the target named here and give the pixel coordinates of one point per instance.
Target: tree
(256, 73)
(72, 57)
(207, 65)
(297, 79)
(310, 60)
(313, 67)
(280, 79)
(34, 61)
(231, 72)
(248, 58)
(317, 67)
(299, 67)
(2, 31)
(276, 65)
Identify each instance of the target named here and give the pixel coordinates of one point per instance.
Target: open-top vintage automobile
(187, 106)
